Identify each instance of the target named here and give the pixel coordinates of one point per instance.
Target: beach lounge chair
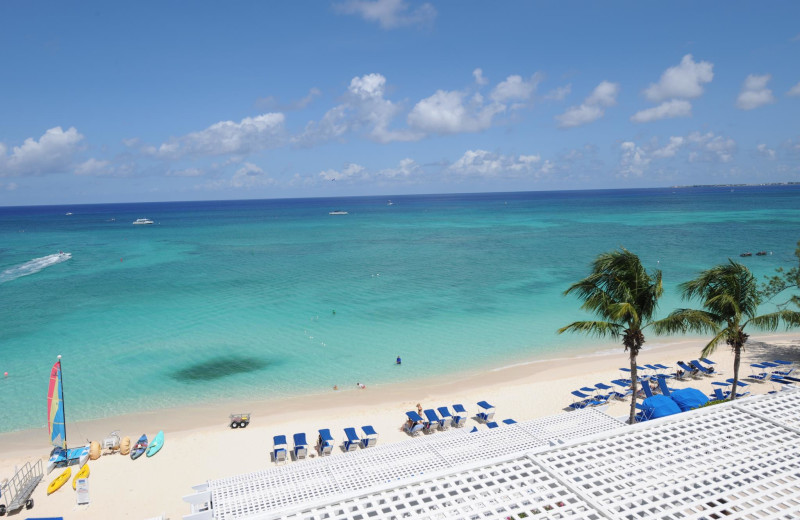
(280, 450)
(583, 401)
(690, 371)
(648, 392)
(719, 395)
(610, 392)
(459, 416)
(703, 370)
(644, 414)
(352, 441)
(369, 437)
(324, 442)
(300, 446)
(712, 364)
(662, 385)
(492, 424)
(509, 421)
(447, 418)
(415, 424)
(433, 422)
(488, 412)
(625, 384)
(760, 374)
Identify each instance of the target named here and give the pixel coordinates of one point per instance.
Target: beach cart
(17, 491)
(240, 420)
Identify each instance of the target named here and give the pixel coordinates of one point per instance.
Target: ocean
(260, 299)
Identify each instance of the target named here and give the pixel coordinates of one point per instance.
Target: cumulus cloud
(484, 164)
(272, 103)
(364, 107)
(755, 93)
(389, 14)
(479, 78)
(604, 95)
(92, 167)
(246, 177)
(710, 147)
(670, 149)
(682, 81)
(634, 160)
(407, 169)
(765, 151)
(52, 153)
(795, 90)
(667, 109)
(514, 88)
(450, 112)
(351, 172)
(249, 135)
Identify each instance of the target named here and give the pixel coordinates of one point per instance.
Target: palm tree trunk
(634, 387)
(737, 356)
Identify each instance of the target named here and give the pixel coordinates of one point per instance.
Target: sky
(167, 101)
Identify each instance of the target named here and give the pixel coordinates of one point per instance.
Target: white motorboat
(337, 212)
(142, 221)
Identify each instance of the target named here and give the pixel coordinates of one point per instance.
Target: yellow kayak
(83, 473)
(59, 481)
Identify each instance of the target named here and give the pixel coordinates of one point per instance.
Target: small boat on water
(338, 212)
(748, 253)
(762, 253)
(142, 221)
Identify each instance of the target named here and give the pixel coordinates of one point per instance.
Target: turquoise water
(262, 299)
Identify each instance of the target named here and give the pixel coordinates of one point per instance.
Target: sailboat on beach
(56, 424)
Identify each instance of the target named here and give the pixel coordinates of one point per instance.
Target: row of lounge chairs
(770, 370)
(325, 443)
(441, 418)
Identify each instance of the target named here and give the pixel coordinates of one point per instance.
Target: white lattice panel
(566, 426)
(781, 407)
(513, 489)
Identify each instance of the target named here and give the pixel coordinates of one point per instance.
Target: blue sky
(159, 101)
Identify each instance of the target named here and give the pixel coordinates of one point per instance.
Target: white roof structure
(733, 460)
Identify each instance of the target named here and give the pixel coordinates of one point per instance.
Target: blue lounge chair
(300, 446)
(648, 392)
(447, 418)
(719, 395)
(625, 384)
(459, 416)
(583, 401)
(352, 441)
(324, 442)
(660, 366)
(415, 424)
(760, 374)
(711, 364)
(492, 424)
(662, 385)
(488, 412)
(703, 370)
(690, 371)
(644, 414)
(433, 422)
(369, 437)
(610, 392)
(740, 383)
(280, 449)
(509, 421)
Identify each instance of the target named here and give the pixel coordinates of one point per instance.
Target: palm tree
(623, 294)
(730, 300)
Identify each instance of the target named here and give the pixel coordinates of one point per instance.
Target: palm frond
(594, 328)
(711, 346)
(773, 320)
(686, 320)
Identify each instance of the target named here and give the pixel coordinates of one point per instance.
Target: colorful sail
(55, 409)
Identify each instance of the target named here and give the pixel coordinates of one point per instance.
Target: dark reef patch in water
(219, 367)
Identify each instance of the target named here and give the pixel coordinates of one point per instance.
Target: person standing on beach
(399, 361)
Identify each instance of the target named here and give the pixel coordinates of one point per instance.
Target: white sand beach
(201, 446)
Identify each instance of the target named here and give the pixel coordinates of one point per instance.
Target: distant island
(738, 185)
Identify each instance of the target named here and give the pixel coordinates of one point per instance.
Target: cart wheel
(2, 510)
(29, 503)
(245, 423)
(234, 424)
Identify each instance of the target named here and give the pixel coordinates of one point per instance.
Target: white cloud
(364, 107)
(249, 135)
(767, 152)
(795, 90)
(634, 160)
(272, 103)
(479, 79)
(407, 169)
(92, 167)
(667, 109)
(711, 147)
(351, 172)
(559, 93)
(514, 88)
(52, 153)
(670, 149)
(186, 172)
(682, 81)
(488, 165)
(449, 113)
(603, 95)
(755, 93)
(389, 13)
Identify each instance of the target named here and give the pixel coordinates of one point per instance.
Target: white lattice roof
(735, 460)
